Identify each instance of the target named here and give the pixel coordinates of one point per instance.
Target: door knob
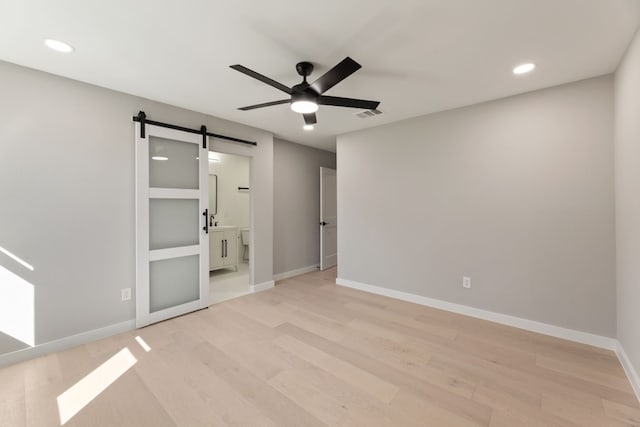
(323, 223)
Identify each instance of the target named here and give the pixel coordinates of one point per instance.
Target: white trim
(505, 319)
(632, 374)
(142, 227)
(262, 286)
(203, 176)
(160, 254)
(66, 342)
(173, 193)
(296, 272)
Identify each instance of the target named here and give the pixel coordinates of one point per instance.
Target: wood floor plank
(267, 314)
(127, 403)
(579, 412)
(405, 357)
(262, 359)
(361, 407)
(509, 418)
(167, 383)
(315, 323)
(262, 395)
(13, 412)
(622, 412)
(570, 367)
(437, 395)
(12, 382)
(225, 401)
(430, 414)
(507, 404)
(349, 373)
(310, 353)
(12, 395)
(324, 407)
(374, 314)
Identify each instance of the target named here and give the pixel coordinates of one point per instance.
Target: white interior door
(172, 244)
(328, 219)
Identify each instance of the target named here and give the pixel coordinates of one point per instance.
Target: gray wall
(67, 194)
(297, 204)
(627, 184)
(516, 193)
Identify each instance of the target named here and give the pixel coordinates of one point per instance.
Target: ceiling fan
(305, 97)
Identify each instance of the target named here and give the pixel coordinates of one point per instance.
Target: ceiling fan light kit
(303, 102)
(304, 97)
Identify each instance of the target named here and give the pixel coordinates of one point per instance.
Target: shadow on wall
(17, 304)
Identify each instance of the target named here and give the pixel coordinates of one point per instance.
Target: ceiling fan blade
(348, 102)
(263, 79)
(310, 119)
(266, 104)
(335, 75)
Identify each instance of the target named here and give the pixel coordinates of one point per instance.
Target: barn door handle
(206, 220)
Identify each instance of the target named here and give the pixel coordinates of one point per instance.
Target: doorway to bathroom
(230, 253)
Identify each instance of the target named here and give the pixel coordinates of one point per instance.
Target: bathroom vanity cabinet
(223, 247)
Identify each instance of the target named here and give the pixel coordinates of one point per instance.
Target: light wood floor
(310, 353)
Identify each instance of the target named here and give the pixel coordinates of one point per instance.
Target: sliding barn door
(172, 241)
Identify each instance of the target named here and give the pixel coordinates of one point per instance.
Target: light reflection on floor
(88, 388)
(143, 344)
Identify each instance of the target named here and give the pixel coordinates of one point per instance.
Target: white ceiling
(418, 56)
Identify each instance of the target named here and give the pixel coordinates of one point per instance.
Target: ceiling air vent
(368, 113)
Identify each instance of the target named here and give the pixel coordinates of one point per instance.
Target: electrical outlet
(125, 294)
(466, 282)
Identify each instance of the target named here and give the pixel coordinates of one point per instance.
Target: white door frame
(143, 255)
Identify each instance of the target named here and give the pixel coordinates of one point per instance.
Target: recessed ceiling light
(159, 158)
(524, 68)
(307, 127)
(59, 46)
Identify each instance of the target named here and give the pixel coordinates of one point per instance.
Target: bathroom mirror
(213, 196)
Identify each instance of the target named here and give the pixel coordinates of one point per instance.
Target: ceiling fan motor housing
(304, 69)
(302, 92)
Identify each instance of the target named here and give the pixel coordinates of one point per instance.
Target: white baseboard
(65, 343)
(262, 286)
(631, 372)
(526, 324)
(296, 272)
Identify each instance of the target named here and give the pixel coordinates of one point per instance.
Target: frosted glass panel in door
(173, 223)
(173, 164)
(173, 282)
